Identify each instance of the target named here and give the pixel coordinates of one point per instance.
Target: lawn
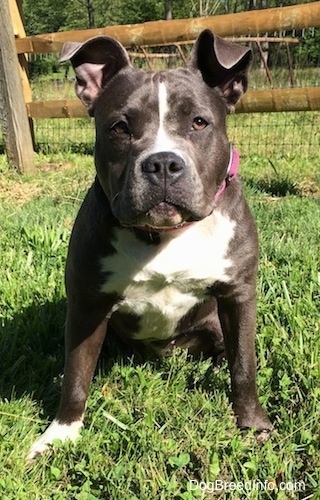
(160, 430)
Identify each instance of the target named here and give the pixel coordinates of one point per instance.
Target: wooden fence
(151, 33)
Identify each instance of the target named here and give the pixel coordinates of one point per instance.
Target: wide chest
(161, 283)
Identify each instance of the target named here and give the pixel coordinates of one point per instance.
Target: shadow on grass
(80, 148)
(32, 347)
(75, 148)
(274, 187)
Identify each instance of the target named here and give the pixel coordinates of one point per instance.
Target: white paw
(54, 431)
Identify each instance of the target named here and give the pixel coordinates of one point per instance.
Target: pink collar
(232, 171)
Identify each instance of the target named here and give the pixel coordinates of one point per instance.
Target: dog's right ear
(95, 62)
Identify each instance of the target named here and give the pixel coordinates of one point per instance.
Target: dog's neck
(232, 171)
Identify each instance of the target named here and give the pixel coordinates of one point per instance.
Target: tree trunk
(168, 10)
(90, 8)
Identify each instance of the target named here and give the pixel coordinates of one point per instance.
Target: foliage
(43, 65)
(308, 50)
(44, 16)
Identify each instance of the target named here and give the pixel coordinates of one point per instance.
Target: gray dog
(164, 249)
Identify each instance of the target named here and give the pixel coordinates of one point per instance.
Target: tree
(43, 16)
(168, 9)
(88, 4)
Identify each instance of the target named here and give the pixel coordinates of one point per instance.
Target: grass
(152, 427)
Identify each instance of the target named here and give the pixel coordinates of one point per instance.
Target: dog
(164, 250)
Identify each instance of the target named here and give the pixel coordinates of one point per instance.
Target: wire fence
(272, 135)
(285, 59)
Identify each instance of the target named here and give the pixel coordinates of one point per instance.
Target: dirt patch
(54, 167)
(18, 192)
(309, 187)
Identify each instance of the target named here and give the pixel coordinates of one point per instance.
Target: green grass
(152, 427)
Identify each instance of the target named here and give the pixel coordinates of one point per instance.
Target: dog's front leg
(85, 333)
(238, 318)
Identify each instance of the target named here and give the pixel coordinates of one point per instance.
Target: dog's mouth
(164, 229)
(163, 217)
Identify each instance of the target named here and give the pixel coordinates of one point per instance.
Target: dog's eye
(120, 128)
(199, 123)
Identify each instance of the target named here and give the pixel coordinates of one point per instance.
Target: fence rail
(255, 101)
(158, 32)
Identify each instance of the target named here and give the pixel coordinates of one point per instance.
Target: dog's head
(161, 148)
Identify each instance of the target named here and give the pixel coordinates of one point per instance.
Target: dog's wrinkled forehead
(173, 94)
(175, 86)
(135, 92)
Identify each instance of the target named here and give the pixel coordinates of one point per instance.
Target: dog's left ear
(222, 64)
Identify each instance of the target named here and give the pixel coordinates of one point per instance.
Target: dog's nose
(163, 167)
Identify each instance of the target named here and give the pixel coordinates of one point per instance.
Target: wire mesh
(284, 63)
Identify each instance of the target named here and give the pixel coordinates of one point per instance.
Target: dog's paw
(54, 431)
(263, 435)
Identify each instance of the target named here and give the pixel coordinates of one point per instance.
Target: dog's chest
(161, 283)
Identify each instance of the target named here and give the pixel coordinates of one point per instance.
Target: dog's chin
(163, 217)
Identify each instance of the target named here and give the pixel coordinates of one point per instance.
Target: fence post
(19, 32)
(13, 111)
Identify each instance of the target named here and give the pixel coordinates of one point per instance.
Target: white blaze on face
(163, 105)
(163, 141)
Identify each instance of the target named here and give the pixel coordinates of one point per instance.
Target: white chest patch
(162, 283)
